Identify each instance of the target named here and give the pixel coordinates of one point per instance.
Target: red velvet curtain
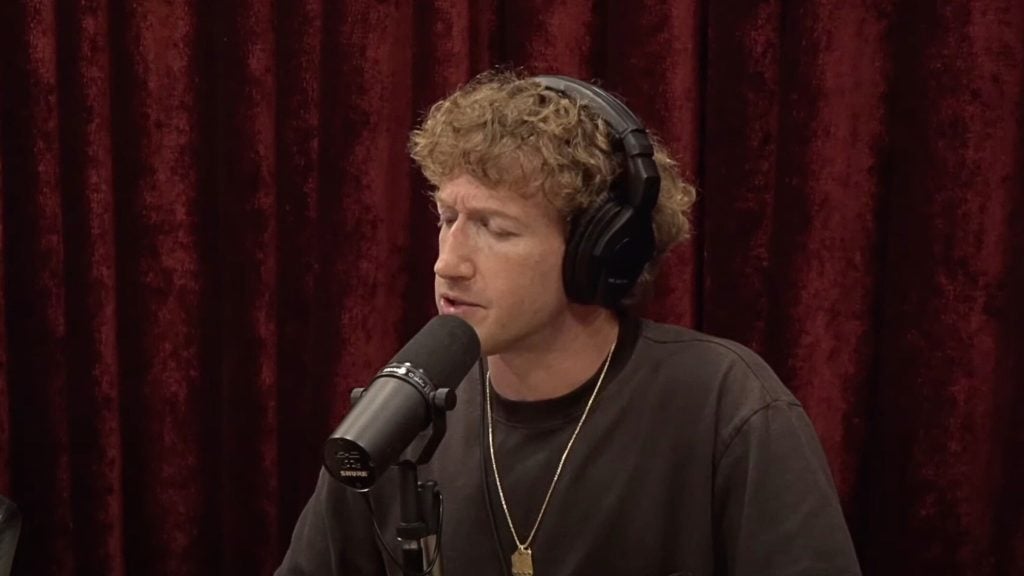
(211, 231)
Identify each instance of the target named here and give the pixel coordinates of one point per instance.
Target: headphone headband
(642, 182)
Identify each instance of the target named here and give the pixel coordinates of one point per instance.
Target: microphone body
(401, 401)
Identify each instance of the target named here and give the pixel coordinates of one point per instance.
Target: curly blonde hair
(511, 133)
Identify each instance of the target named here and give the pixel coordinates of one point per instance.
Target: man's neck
(571, 354)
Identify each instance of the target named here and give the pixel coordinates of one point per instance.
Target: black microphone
(402, 400)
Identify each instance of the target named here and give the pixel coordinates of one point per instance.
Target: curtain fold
(210, 231)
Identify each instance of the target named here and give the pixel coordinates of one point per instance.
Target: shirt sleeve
(333, 536)
(776, 506)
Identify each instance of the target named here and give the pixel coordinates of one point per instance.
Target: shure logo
(359, 473)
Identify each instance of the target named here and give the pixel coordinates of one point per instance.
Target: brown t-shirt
(694, 460)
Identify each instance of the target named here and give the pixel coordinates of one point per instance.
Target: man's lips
(452, 304)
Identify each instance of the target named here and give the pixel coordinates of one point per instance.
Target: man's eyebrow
(481, 212)
(493, 214)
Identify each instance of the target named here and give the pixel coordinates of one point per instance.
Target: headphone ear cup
(625, 251)
(606, 254)
(581, 268)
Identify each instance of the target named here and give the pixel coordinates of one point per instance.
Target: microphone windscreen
(444, 350)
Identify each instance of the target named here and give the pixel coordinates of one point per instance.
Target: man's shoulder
(669, 334)
(710, 360)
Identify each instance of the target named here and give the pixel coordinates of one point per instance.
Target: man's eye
(500, 232)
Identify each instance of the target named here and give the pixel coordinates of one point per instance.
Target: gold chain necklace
(522, 558)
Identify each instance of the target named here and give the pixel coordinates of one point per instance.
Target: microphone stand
(420, 502)
(420, 508)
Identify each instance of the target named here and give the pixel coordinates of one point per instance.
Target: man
(590, 441)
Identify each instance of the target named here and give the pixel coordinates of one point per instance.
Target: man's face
(499, 263)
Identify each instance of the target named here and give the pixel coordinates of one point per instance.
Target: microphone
(411, 392)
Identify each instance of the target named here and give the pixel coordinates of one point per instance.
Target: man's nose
(454, 261)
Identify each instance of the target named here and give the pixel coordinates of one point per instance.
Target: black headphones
(610, 243)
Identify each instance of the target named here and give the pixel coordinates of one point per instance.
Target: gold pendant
(522, 562)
